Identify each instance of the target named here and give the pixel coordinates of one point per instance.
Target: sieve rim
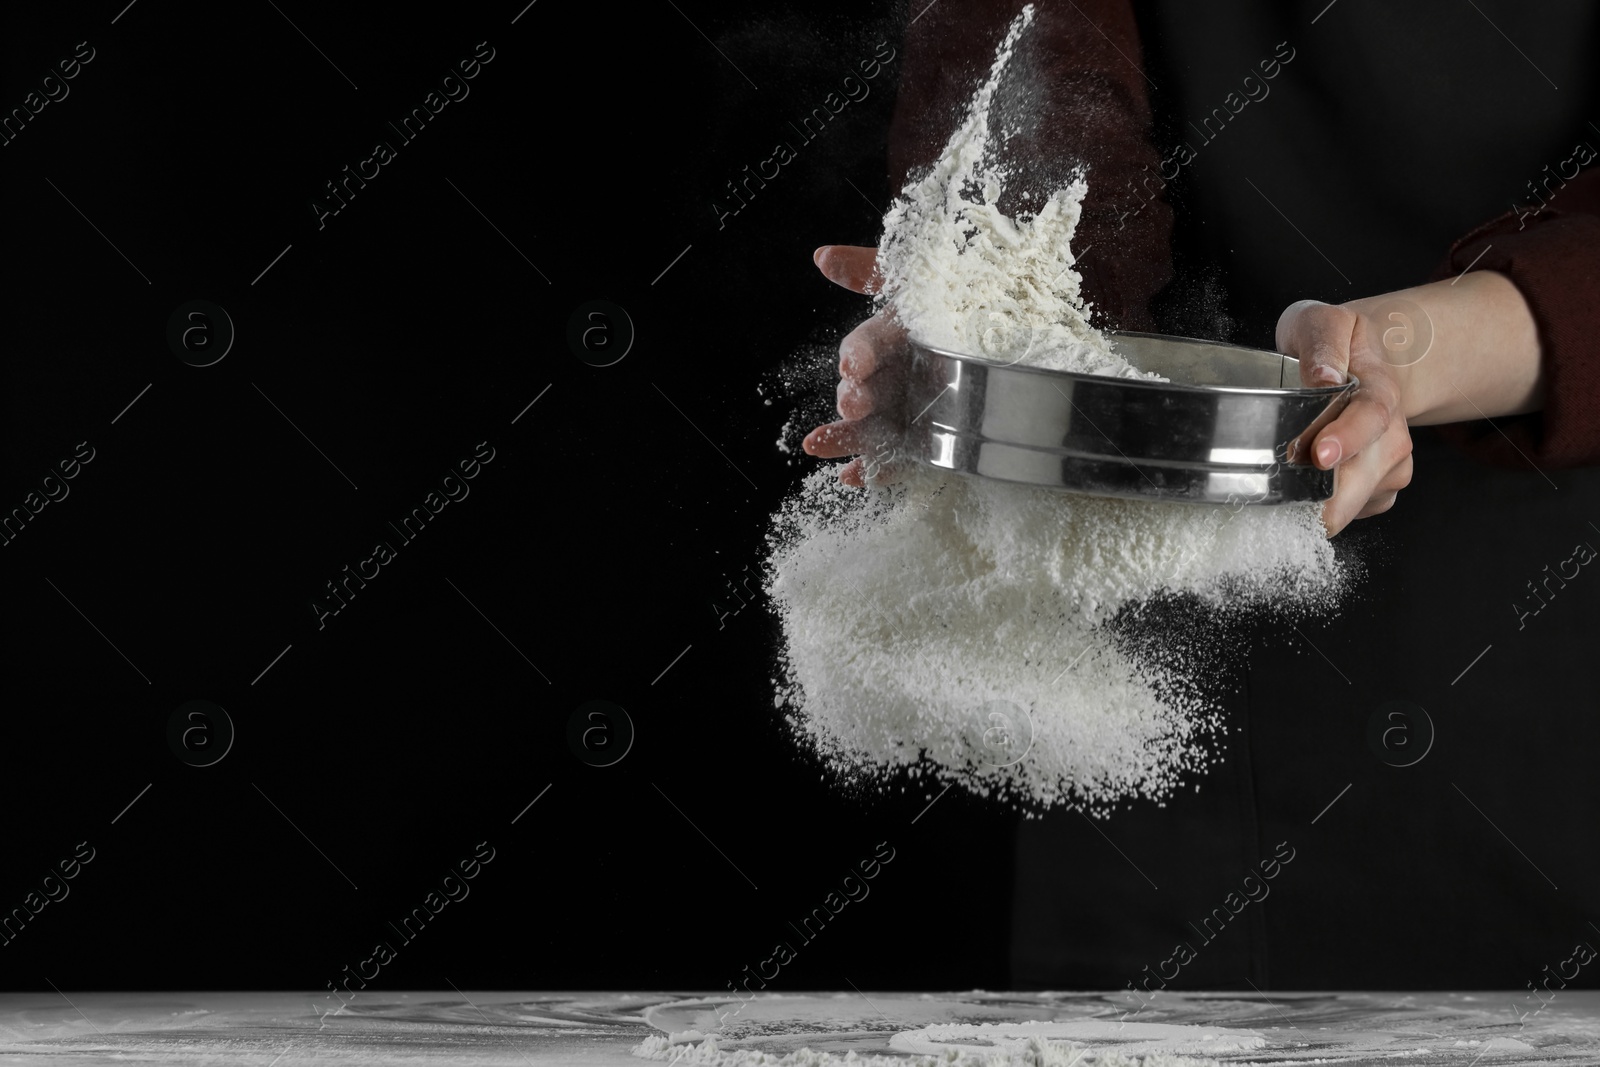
(1286, 362)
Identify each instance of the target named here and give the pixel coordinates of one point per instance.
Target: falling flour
(976, 632)
(961, 275)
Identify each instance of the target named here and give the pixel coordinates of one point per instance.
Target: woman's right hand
(873, 364)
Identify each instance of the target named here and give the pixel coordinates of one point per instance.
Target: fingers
(1373, 409)
(870, 399)
(851, 266)
(1369, 482)
(871, 369)
(1387, 491)
(1352, 492)
(851, 474)
(870, 346)
(872, 443)
(1287, 320)
(871, 378)
(1357, 426)
(862, 471)
(1369, 442)
(857, 399)
(848, 437)
(1378, 505)
(1320, 336)
(1399, 475)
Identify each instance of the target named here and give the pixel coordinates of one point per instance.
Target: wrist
(1476, 355)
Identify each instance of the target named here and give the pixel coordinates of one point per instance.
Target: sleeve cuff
(1554, 260)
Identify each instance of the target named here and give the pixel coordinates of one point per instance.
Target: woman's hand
(873, 362)
(1444, 352)
(1369, 443)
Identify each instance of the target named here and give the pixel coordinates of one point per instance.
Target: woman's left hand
(1369, 444)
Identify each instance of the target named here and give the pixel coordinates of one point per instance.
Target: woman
(1340, 150)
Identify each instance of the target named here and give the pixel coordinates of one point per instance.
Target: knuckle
(849, 356)
(1390, 392)
(1327, 320)
(1384, 402)
(1335, 318)
(1373, 410)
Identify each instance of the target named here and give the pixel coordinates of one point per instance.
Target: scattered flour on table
(1132, 1040)
(912, 1030)
(967, 631)
(1026, 1052)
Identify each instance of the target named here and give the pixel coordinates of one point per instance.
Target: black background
(397, 338)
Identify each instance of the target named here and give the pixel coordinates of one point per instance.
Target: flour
(960, 275)
(975, 1029)
(1128, 1039)
(912, 612)
(1027, 1052)
(906, 609)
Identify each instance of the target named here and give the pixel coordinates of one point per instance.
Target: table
(280, 1029)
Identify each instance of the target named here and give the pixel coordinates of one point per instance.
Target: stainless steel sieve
(1215, 433)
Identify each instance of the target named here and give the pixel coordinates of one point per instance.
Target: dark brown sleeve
(1076, 89)
(1553, 257)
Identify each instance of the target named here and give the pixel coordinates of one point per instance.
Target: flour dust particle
(963, 631)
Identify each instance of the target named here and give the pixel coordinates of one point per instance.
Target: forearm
(1484, 359)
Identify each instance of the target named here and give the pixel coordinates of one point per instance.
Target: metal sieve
(1215, 433)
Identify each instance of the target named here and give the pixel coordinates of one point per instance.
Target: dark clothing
(1387, 133)
(1555, 261)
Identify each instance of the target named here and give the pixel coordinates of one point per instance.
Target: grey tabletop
(814, 1029)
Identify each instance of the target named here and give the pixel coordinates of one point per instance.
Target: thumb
(852, 266)
(1318, 335)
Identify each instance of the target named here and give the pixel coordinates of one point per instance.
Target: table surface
(278, 1029)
